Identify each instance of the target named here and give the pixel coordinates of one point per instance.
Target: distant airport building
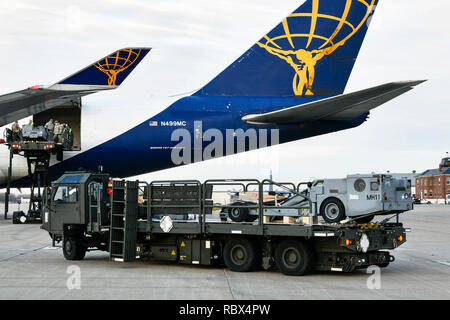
(434, 184)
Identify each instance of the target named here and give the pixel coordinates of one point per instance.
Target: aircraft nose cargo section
(178, 221)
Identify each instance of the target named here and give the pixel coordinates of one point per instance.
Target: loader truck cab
(75, 204)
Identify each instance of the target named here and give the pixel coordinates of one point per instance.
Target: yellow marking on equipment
(183, 244)
(173, 252)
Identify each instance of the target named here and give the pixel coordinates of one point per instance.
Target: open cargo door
(69, 113)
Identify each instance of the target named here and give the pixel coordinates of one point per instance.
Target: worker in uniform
(69, 136)
(50, 126)
(31, 123)
(16, 132)
(57, 132)
(65, 135)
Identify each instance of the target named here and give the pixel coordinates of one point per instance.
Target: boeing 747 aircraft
(290, 85)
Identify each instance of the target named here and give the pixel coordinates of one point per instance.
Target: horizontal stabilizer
(343, 107)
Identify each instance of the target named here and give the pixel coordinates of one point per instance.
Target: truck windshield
(66, 194)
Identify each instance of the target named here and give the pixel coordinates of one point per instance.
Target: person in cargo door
(16, 132)
(57, 132)
(50, 126)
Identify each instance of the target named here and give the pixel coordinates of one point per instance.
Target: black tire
(73, 250)
(238, 214)
(365, 219)
(15, 218)
(19, 217)
(332, 210)
(294, 258)
(241, 255)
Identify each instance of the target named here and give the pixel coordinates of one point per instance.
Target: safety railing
(162, 196)
(166, 192)
(292, 191)
(229, 183)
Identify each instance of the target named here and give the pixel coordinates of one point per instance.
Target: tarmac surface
(31, 269)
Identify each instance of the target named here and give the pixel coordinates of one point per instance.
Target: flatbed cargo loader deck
(142, 221)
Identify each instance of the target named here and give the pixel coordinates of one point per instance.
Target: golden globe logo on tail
(114, 64)
(304, 60)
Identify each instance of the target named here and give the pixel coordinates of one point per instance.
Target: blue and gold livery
(289, 83)
(109, 71)
(311, 52)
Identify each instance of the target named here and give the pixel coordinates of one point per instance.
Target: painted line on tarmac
(22, 254)
(445, 263)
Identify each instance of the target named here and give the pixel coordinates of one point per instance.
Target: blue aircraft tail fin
(110, 71)
(310, 53)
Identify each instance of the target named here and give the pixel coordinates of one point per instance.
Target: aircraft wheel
(238, 214)
(332, 210)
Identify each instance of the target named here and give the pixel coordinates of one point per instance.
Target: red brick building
(434, 184)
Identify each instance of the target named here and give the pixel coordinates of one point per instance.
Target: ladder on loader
(123, 221)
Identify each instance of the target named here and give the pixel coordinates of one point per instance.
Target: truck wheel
(72, 250)
(238, 214)
(332, 210)
(240, 255)
(19, 217)
(294, 258)
(15, 219)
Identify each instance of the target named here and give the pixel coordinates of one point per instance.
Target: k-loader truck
(178, 221)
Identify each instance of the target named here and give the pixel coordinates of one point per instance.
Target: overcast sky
(44, 41)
